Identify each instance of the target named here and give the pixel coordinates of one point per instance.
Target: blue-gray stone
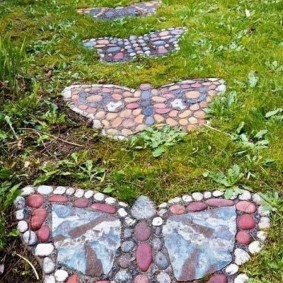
(127, 246)
(159, 43)
(156, 244)
(143, 208)
(85, 239)
(123, 276)
(113, 49)
(145, 103)
(148, 111)
(200, 243)
(128, 233)
(149, 121)
(161, 260)
(145, 94)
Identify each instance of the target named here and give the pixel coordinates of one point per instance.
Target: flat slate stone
(143, 208)
(86, 241)
(200, 243)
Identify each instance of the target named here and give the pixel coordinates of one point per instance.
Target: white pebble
(174, 200)
(22, 226)
(241, 256)
(99, 197)
(61, 275)
(263, 211)
(221, 88)
(217, 193)
(59, 190)
(89, 194)
(157, 221)
(187, 198)
(19, 202)
(241, 278)
(255, 247)
(110, 200)
(45, 190)
(245, 195)
(262, 235)
(122, 212)
(130, 221)
(79, 193)
(49, 279)
(123, 204)
(161, 212)
(163, 277)
(232, 269)
(207, 195)
(197, 196)
(28, 190)
(70, 191)
(43, 249)
(30, 238)
(20, 214)
(48, 265)
(257, 198)
(163, 205)
(264, 223)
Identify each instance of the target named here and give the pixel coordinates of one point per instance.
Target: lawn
(43, 142)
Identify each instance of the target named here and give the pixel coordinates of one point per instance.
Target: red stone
(57, 198)
(43, 234)
(141, 279)
(38, 217)
(243, 237)
(142, 231)
(35, 201)
(246, 222)
(73, 279)
(104, 208)
(118, 56)
(196, 206)
(133, 106)
(219, 202)
(102, 281)
(162, 110)
(195, 85)
(177, 209)
(81, 202)
(144, 256)
(246, 206)
(218, 278)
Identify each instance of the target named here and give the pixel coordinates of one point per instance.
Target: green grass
(226, 39)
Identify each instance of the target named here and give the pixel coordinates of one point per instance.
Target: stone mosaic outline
(142, 256)
(154, 44)
(141, 9)
(121, 112)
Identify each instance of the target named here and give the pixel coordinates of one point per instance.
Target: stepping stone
(134, 10)
(121, 112)
(154, 44)
(108, 241)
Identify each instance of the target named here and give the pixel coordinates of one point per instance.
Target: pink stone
(141, 279)
(73, 279)
(37, 218)
(142, 231)
(81, 202)
(145, 86)
(118, 56)
(160, 105)
(43, 234)
(116, 96)
(104, 208)
(133, 106)
(177, 209)
(195, 85)
(196, 206)
(144, 256)
(103, 281)
(57, 198)
(243, 237)
(219, 202)
(246, 222)
(162, 50)
(162, 110)
(35, 201)
(218, 278)
(246, 206)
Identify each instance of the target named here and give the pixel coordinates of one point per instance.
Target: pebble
(241, 278)
(122, 276)
(88, 194)
(161, 260)
(48, 265)
(187, 198)
(256, 199)
(127, 246)
(61, 275)
(130, 221)
(30, 238)
(219, 202)
(218, 278)
(163, 277)
(22, 226)
(218, 193)
(175, 200)
(241, 256)
(243, 237)
(28, 190)
(263, 211)
(177, 209)
(142, 231)
(196, 206)
(157, 221)
(207, 195)
(143, 208)
(232, 269)
(122, 212)
(255, 247)
(57, 198)
(19, 202)
(197, 196)
(110, 200)
(142, 278)
(74, 279)
(264, 223)
(144, 256)
(49, 279)
(156, 244)
(246, 206)
(20, 214)
(79, 193)
(59, 190)
(70, 191)
(246, 222)
(124, 261)
(245, 195)
(43, 249)
(128, 233)
(45, 190)
(43, 234)
(262, 235)
(104, 208)
(98, 196)
(37, 219)
(81, 202)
